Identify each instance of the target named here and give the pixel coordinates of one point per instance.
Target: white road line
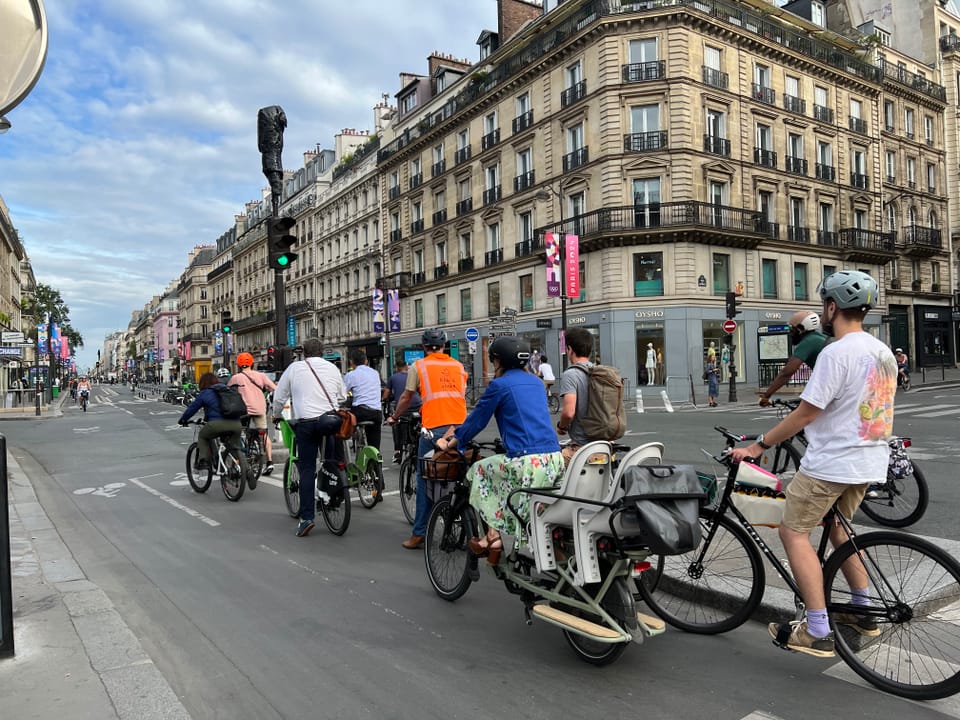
(921, 408)
(940, 413)
(761, 715)
(265, 479)
(170, 501)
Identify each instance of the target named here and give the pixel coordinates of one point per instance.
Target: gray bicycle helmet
(805, 321)
(511, 351)
(849, 289)
(223, 372)
(434, 337)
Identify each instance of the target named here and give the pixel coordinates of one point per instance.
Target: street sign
(886, 318)
(729, 326)
(545, 323)
(291, 331)
(472, 334)
(11, 352)
(472, 347)
(13, 338)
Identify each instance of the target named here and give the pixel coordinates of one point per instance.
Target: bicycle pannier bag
(753, 475)
(760, 506)
(232, 406)
(348, 423)
(606, 417)
(663, 505)
(329, 477)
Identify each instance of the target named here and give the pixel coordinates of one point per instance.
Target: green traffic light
(283, 261)
(227, 329)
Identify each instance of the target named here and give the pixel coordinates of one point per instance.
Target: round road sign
(729, 326)
(472, 334)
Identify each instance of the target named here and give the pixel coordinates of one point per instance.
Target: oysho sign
(648, 314)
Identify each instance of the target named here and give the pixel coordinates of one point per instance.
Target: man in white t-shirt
(847, 412)
(545, 370)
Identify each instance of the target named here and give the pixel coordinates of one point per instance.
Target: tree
(48, 300)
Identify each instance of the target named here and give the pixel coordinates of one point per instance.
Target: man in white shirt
(315, 390)
(847, 412)
(364, 383)
(546, 372)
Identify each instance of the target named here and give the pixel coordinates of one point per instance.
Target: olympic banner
(571, 266)
(378, 310)
(393, 308)
(552, 244)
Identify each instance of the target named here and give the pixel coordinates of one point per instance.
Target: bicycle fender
(368, 454)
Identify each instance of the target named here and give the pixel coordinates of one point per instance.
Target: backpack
(232, 406)
(606, 417)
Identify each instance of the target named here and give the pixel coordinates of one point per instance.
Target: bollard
(6, 589)
(667, 405)
(638, 396)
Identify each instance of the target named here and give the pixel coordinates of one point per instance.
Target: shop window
(647, 274)
(651, 367)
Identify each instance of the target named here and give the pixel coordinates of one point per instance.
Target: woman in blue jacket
(532, 459)
(215, 424)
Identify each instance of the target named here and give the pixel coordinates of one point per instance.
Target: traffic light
(271, 359)
(732, 311)
(226, 318)
(279, 241)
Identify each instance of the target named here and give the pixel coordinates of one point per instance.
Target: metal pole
(280, 308)
(563, 279)
(6, 588)
(732, 388)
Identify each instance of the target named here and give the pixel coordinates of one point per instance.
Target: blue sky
(139, 140)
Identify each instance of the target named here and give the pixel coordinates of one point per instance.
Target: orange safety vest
(443, 386)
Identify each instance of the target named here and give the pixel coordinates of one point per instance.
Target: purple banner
(393, 308)
(552, 245)
(378, 310)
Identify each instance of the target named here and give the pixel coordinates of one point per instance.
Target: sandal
(479, 549)
(494, 550)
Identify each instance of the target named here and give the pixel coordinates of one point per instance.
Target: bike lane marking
(170, 501)
(277, 483)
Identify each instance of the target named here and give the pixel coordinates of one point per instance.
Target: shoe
(396, 458)
(414, 543)
(477, 548)
(268, 468)
(864, 625)
(304, 528)
(487, 548)
(794, 636)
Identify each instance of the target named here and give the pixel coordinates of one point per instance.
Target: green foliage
(47, 300)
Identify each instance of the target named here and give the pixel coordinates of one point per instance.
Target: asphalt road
(248, 621)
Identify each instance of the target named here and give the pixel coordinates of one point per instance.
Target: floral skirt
(494, 478)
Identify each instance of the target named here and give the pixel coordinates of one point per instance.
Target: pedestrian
(807, 341)
(846, 410)
(315, 390)
(365, 387)
(711, 373)
(442, 384)
(574, 386)
(395, 386)
(253, 386)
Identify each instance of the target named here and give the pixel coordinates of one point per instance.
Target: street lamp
(4, 124)
(542, 194)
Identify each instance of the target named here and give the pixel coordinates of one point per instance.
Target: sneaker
(324, 496)
(866, 626)
(396, 458)
(304, 528)
(794, 636)
(268, 468)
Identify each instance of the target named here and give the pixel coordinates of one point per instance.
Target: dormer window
(408, 103)
(488, 41)
(818, 15)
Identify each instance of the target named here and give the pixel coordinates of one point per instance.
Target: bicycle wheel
(898, 502)
(291, 488)
(447, 556)
(408, 488)
(783, 460)
(370, 485)
(914, 593)
(232, 481)
(254, 453)
(336, 512)
(616, 602)
(553, 403)
(712, 589)
(199, 479)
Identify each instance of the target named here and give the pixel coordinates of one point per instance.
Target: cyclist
(223, 374)
(903, 365)
(442, 384)
(215, 423)
(807, 340)
(545, 371)
(73, 389)
(83, 389)
(363, 382)
(395, 385)
(533, 457)
(252, 386)
(847, 411)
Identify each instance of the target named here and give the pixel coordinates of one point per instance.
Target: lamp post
(542, 194)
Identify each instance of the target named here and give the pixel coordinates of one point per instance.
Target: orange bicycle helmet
(244, 360)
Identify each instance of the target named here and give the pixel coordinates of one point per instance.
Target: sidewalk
(75, 656)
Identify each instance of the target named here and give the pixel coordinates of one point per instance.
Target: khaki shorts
(258, 421)
(809, 499)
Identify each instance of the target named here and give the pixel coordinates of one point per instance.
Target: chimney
(512, 14)
(437, 59)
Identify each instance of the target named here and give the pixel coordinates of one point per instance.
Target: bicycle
(553, 401)
(335, 511)
(253, 443)
(899, 501)
(409, 433)
(224, 463)
(912, 587)
(364, 466)
(84, 397)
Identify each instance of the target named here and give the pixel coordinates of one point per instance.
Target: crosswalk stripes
(913, 410)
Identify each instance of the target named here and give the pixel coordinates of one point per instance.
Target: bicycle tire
(915, 581)
(408, 489)
(783, 460)
(446, 551)
(616, 602)
(894, 503)
(370, 485)
(199, 479)
(712, 589)
(336, 512)
(291, 488)
(254, 453)
(232, 482)
(553, 403)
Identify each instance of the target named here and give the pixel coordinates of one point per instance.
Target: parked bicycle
(913, 587)
(409, 433)
(224, 463)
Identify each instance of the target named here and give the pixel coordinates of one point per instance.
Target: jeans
(310, 433)
(424, 503)
(365, 413)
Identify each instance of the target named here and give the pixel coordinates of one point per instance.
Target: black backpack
(232, 406)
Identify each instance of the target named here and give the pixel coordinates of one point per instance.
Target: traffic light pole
(280, 310)
(732, 391)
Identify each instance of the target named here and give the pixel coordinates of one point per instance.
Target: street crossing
(936, 409)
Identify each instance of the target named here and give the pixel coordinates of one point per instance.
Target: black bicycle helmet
(434, 338)
(850, 289)
(511, 351)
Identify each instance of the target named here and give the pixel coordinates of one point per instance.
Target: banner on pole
(378, 310)
(393, 309)
(552, 245)
(572, 266)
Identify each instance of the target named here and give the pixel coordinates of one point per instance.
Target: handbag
(348, 421)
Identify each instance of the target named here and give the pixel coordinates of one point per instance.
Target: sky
(140, 139)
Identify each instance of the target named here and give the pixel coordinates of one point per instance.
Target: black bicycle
(254, 447)
(913, 590)
(409, 434)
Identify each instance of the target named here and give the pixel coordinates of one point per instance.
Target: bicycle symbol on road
(109, 490)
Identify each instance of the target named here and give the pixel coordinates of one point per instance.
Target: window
(764, 137)
(441, 309)
(825, 218)
(416, 169)
(643, 51)
(438, 154)
(817, 14)
(768, 212)
(490, 123)
(493, 299)
(526, 293)
(761, 75)
(891, 218)
(466, 309)
(768, 272)
(935, 272)
(912, 172)
(463, 139)
(908, 122)
(525, 227)
(717, 197)
(418, 260)
(792, 86)
(859, 162)
(408, 103)
(574, 74)
(646, 202)
(798, 215)
(824, 153)
(856, 109)
(860, 219)
(644, 118)
(418, 312)
(440, 251)
(712, 58)
(522, 104)
(439, 200)
(524, 162)
(463, 190)
(928, 129)
(466, 246)
(888, 114)
(416, 211)
(800, 282)
(891, 164)
(829, 270)
(575, 138)
(647, 274)
(931, 177)
(493, 237)
(721, 274)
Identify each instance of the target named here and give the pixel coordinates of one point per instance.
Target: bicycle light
(640, 566)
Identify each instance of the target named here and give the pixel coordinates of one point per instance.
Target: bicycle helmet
(805, 321)
(899, 350)
(434, 338)
(849, 289)
(223, 373)
(244, 360)
(511, 351)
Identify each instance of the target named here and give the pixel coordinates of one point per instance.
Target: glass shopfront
(651, 365)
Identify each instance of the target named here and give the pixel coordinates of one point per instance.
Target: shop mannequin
(651, 363)
(712, 352)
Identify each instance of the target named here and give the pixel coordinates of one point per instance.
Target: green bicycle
(364, 466)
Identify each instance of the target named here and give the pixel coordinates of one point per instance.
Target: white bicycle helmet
(805, 321)
(223, 372)
(849, 289)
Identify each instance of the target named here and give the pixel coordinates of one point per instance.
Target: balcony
(573, 94)
(440, 216)
(416, 226)
(716, 145)
(767, 158)
(826, 172)
(441, 271)
(949, 43)
(645, 141)
(416, 180)
(396, 235)
(394, 192)
(915, 81)
(438, 168)
(794, 104)
(716, 78)
(491, 195)
(529, 247)
(798, 234)
(796, 165)
(461, 156)
(575, 159)
(493, 257)
(300, 307)
(861, 182)
(645, 71)
(891, 179)
(464, 206)
(858, 125)
(465, 264)
(764, 94)
(768, 228)
(828, 238)
(870, 246)
(922, 241)
(522, 122)
(523, 181)
(822, 113)
(418, 278)
(490, 139)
